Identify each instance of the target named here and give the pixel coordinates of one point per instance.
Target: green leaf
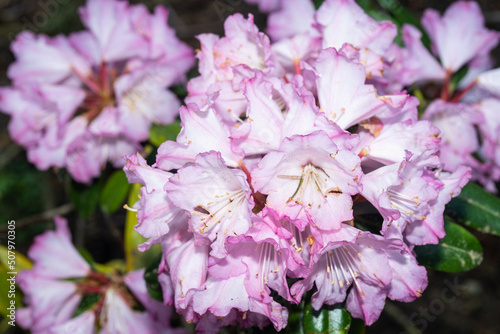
(151, 278)
(10, 293)
(131, 238)
(357, 326)
(85, 198)
(296, 318)
(114, 192)
(458, 251)
(318, 3)
(457, 77)
(330, 319)
(476, 208)
(133, 258)
(87, 302)
(21, 262)
(401, 15)
(161, 133)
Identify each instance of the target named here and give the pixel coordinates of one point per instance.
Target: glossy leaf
(162, 133)
(330, 319)
(476, 208)
(296, 318)
(151, 278)
(114, 192)
(458, 251)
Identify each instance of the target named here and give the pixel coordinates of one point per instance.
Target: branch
(47, 215)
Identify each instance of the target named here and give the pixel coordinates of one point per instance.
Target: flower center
(224, 208)
(343, 265)
(312, 187)
(405, 204)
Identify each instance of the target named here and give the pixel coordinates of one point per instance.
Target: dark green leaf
(457, 77)
(330, 319)
(86, 303)
(317, 3)
(180, 91)
(402, 15)
(161, 133)
(86, 256)
(458, 251)
(357, 326)
(85, 198)
(151, 278)
(296, 319)
(476, 208)
(114, 192)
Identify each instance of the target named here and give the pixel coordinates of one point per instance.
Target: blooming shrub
(82, 100)
(305, 173)
(281, 153)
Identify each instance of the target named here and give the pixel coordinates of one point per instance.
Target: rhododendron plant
(287, 166)
(315, 166)
(59, 280)
(91, 97)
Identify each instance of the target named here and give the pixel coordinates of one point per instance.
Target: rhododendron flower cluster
(60, 279)
(82, 100)
(285, 149)
(468, 118)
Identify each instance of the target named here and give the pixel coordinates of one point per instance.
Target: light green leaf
(476, 208)
(458, 251)
(21, 262)
(10, 293)
(133, 258)
(161, 133)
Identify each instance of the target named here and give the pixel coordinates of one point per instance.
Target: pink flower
(343, 21)
(155, 212)
(368, 263)
(456, 122)
(343, 95)
(222, 207)
(291, 19)
(91, 98)
(459, 35)
(51, 301)
(416, 61)
(310, 179)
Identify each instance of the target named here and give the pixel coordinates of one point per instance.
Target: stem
(258, 197)
(47, 215)
(103, 73)
(296, 62)
(445, 93)
(88, 82)
(461, 94)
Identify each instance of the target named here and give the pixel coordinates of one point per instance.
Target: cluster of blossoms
(298, 162)
(467, 116)
(82, 100)
(60, 279)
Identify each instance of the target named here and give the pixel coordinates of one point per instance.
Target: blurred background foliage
(33, 197)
